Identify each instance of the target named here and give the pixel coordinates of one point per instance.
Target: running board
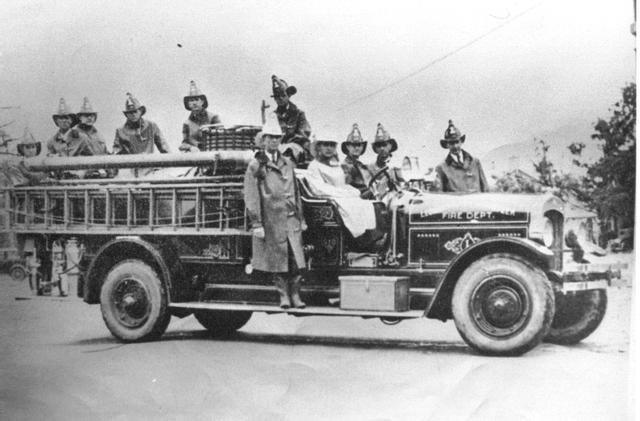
(308, 311)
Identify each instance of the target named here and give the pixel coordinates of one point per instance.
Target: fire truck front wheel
(577, 316)
(503, 305)
(134, 302)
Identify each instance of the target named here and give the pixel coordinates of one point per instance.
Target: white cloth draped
(358, 214)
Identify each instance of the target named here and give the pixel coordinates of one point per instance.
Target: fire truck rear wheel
(134, 302)
(577, 316)
(221, 323)
(503, 305)
(18, 272)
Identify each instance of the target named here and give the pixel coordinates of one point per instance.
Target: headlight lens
(547, 235)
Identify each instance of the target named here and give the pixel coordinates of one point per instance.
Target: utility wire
(439, 59)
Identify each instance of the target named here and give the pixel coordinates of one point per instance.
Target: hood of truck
(480, 207)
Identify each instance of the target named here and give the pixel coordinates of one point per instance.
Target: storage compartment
(377, 293)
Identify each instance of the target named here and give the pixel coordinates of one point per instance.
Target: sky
(505, 72)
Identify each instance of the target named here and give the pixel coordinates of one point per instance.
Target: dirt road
(59, 362)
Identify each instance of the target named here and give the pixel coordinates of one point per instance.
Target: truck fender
(440, 305)
(160, 256)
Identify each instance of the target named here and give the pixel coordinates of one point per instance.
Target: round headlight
(548, 234)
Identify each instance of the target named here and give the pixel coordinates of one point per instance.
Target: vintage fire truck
(506, 268)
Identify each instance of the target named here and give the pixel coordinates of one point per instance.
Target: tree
(548, 179)
(610, 182)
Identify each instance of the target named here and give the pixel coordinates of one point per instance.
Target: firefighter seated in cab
(385, 177)
(326, 178)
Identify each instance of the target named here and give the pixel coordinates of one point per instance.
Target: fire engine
(508, 269)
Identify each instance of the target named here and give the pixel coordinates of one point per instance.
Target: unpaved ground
(59, 362)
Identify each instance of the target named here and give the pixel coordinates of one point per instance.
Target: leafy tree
(610, 181)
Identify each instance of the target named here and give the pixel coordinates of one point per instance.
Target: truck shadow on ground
(323, 340)
(108, 342)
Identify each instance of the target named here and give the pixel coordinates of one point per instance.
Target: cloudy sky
(504, 71)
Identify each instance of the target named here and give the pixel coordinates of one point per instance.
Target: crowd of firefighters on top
(271, 194)
(78, 136)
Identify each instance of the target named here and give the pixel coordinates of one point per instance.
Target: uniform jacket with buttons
(191, 128)
(84, 141)
(135, 138)
(467, 177)
(293, 123)
(356, 173)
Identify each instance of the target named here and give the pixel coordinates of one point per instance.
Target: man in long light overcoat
(275, 211)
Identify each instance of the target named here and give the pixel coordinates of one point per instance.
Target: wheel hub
(131, 302)
(500, 306)
(503, 307)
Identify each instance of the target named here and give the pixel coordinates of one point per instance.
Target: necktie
(274, 157)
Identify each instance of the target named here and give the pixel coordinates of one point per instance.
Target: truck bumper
(589, 276)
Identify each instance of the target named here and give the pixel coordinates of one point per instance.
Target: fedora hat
(315, 144)
(354, 138)
(271, 127)
(452, 134)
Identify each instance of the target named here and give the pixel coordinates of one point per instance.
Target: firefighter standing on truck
(275, 210)
(137, 135)
(459, 172)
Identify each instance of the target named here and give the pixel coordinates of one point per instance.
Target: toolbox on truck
(382, 293)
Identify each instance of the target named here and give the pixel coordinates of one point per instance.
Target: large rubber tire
(18, 273)
(134, 302)
(222, 323)
(577, 316)
(503, 305)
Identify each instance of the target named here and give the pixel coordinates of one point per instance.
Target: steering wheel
(382, 173)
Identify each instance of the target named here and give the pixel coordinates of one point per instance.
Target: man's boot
(283, 291)
(295, 292)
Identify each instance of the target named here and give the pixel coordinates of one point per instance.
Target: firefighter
(326, 165)
(293, 122)
(356, 173)
(138, 135)
(459, 172)
(384, 146)
(29, 147)
(275, 211)
(84, 139)
(64, 120)
(196, 102)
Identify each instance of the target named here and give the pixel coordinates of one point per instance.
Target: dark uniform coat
(394, 174)
(293, 123)
(295, 129)
(138, 138)
(468, 177)
(56, 145)
(273, 202)
(356, 173)
(191, 127)
(84, 141)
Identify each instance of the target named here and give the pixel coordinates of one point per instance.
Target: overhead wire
(439, 59)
